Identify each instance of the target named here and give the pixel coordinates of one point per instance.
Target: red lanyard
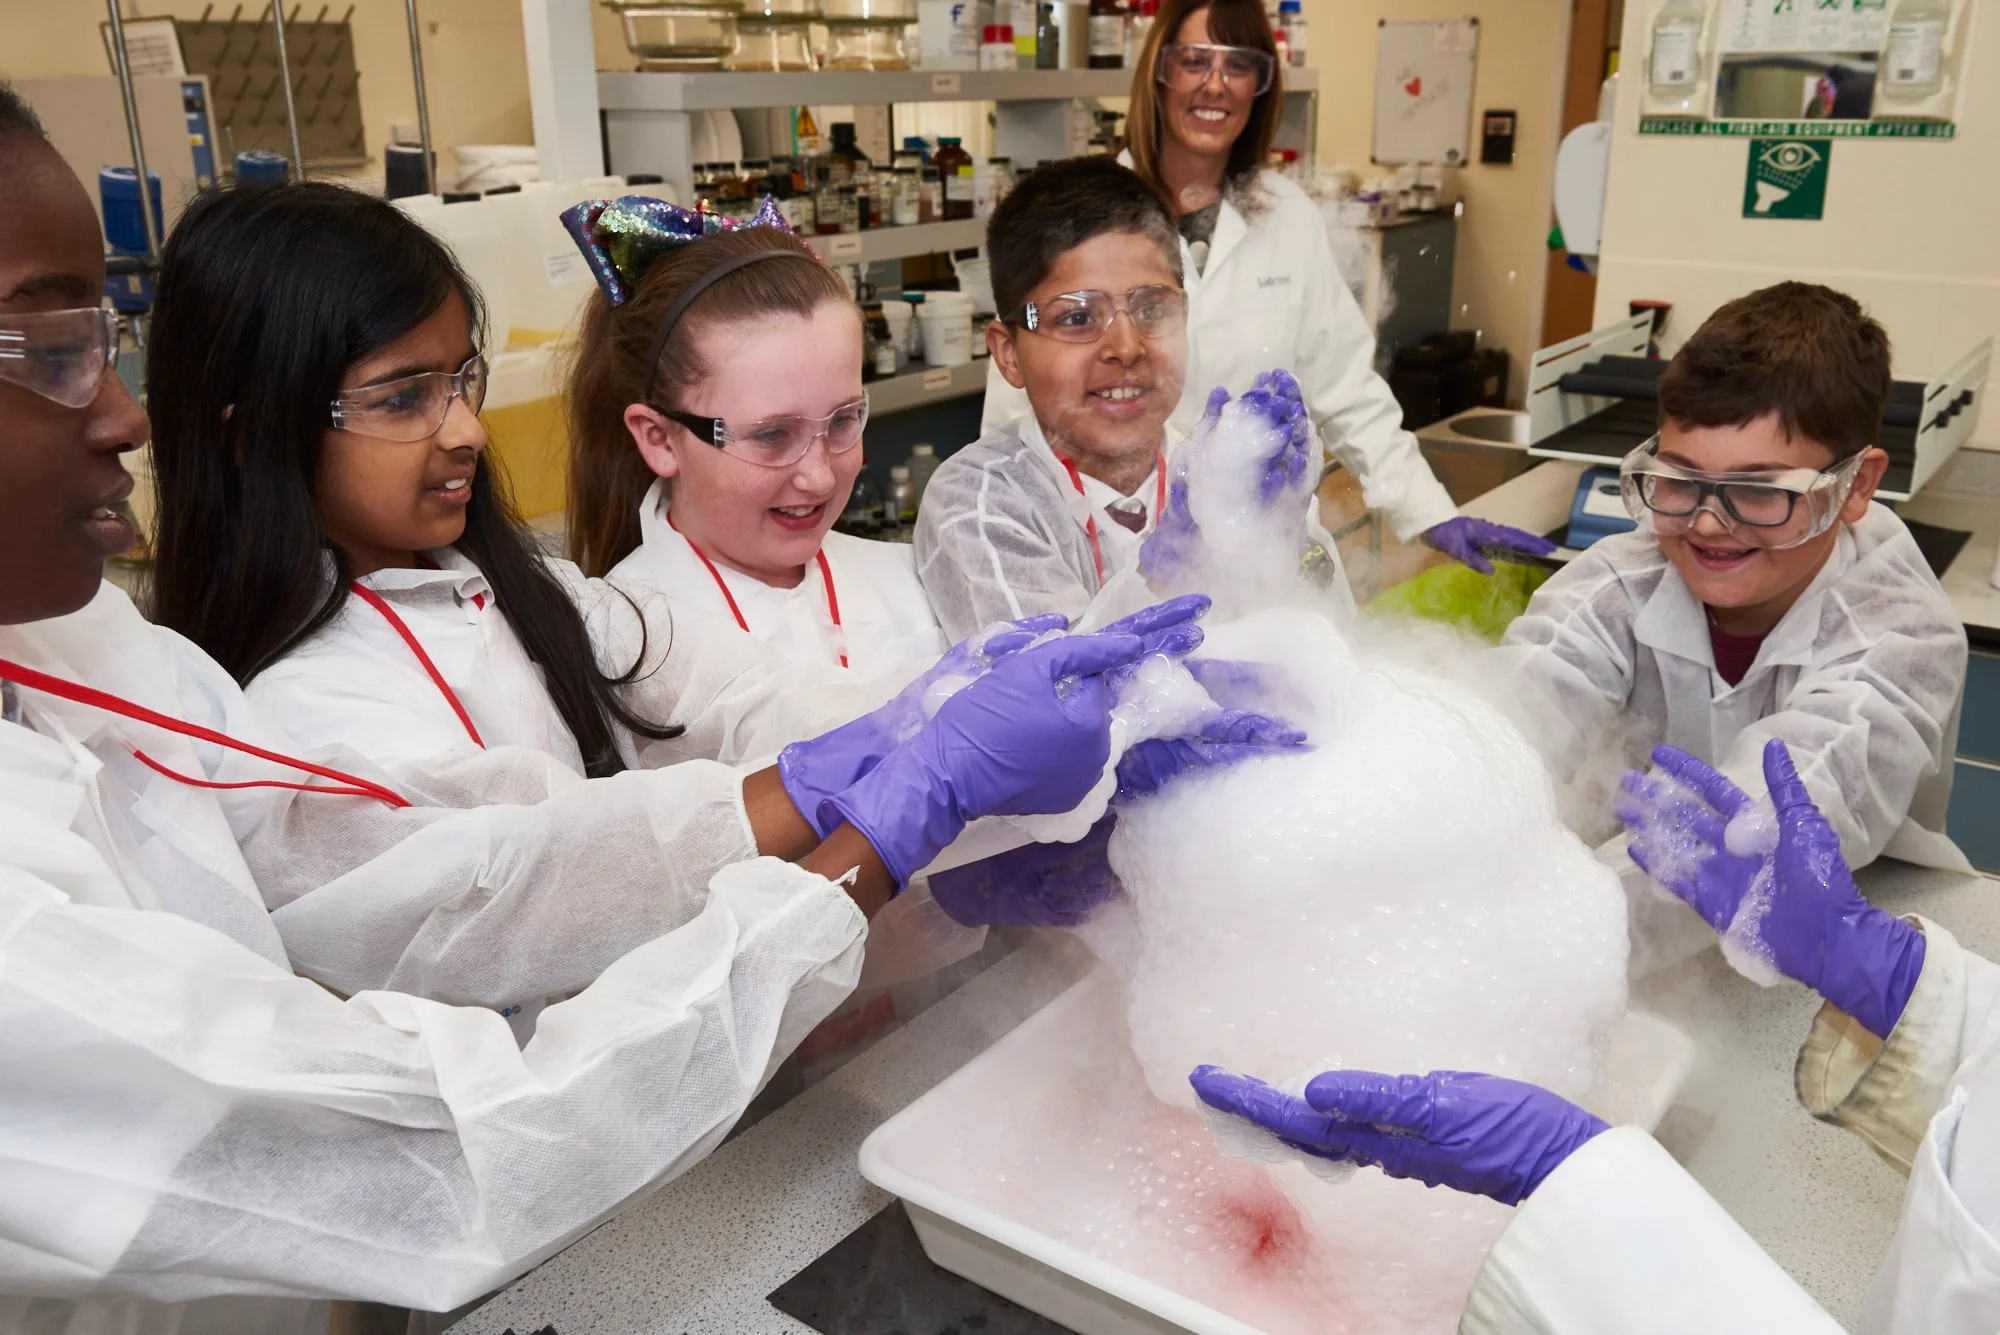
(825, 575)
(1090, 520)
(375, 600)
(350, 786)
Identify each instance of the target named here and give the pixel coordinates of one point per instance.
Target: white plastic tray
(1647, 1063)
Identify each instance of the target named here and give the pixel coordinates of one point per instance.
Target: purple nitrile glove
(1470, 541)
(1030, 737)
(1474, 1133)
(816, 769)
(1169, 551)
(1276, 395)
(1818, 928)
(1231, 736)
(1035, 885)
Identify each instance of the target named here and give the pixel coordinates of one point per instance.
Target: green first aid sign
(1786, 178)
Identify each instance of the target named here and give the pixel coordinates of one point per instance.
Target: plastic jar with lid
(954, 167)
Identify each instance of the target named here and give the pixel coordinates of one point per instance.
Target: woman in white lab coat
(1263, 288)
(726, 526)
(1612, 1235)
(192, 1138)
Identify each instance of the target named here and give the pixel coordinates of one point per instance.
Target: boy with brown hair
(1763, 594)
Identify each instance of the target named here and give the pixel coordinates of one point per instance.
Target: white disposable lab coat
(886, 622)
(182, 1118)
(1619, 1240)
(886, 626)
(355, 683)
(1003, 533)
(1861, 679)
(1271, 296)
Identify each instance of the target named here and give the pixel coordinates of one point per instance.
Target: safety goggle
(60, 355)
(1085, 317)
(1773, 510)
(1186, 66)
(780, 442)
(413, 407)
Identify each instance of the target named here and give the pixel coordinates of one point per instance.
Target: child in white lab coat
(740, 532)
(1763, 595)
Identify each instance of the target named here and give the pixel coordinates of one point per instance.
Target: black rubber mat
(877, 1281)
(1940, 546)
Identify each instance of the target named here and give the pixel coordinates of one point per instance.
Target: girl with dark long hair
(332, 529)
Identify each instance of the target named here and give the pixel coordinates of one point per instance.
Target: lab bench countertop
(699, 1255)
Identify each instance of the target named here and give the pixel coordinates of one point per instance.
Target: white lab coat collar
(1673, 621)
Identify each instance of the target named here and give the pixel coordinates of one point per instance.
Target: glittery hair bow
(620, 238)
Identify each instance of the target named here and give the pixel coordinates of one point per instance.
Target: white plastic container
(1004, 1092)
(946, 318)
(546, 274)
(474, 233)
(897, 313)
(948, 34)
(975, 281)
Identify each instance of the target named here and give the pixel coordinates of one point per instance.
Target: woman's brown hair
(607, 477)
(1230, 23)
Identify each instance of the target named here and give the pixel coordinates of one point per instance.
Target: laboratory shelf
(724, 89)
(899, 243)
(926, 384)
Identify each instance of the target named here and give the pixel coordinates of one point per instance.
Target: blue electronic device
(1598, 510)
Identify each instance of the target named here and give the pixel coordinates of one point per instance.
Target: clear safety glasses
(413, 407)
(60, 355)
(1186, 66)
(780, 442)
(1085, 317)
(1768, 509)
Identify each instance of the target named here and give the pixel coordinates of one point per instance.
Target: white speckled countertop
(699, 1256)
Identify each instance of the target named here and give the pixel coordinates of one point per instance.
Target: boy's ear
(1000, 344)
(651, 432)
(1867, 477)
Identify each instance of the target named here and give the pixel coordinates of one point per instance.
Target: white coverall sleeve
(506, 881)
(184, 1118)
(1358, 418)
(982, 562)
(1619, 1240)
(1887, 1090)
(1563, 671)
(1865, 727)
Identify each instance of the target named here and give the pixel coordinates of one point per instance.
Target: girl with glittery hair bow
(715, 409)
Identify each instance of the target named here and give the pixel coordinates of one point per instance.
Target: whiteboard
(1423, 91)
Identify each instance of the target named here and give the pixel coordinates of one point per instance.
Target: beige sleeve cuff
(1887, 1090)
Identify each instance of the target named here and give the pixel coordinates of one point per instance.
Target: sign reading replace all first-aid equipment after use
(1786, 178)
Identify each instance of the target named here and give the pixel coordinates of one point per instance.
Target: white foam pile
(1401, 897)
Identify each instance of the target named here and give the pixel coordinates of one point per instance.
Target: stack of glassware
(867, 34)
(774, 35)
(680, 34)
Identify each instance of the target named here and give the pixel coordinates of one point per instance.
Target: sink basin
(1488, 424)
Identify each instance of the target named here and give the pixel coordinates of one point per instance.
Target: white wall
(1912, 227)
(1503, 237)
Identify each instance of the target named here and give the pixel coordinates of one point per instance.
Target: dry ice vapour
(1400, 897)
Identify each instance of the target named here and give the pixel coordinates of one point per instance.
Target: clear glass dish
(688, 34)
(869, 11)
(870, 45)
(763, 45)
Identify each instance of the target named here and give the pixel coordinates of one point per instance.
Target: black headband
(693, 293)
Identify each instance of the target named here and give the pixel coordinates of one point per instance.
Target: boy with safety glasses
(1762, 595)
(1037, 514)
